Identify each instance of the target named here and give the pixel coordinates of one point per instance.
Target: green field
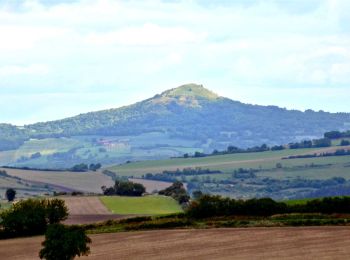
(149, 205)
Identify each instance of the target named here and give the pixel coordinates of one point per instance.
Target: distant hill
(190, 116)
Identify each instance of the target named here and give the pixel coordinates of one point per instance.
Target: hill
(181, 120)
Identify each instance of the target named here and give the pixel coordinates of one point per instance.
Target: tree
(64, 243)
(80, 168)
(10, 194)
(344, 142)
(31, 216)
(177, 191)
(56, 211)
(94, 167)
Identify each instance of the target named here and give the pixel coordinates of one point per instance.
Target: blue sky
(62, 58)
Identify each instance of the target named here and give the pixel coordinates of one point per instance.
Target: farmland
(71, 181)
(272, 176)
(253, 243)
(147, 205)
(259, 174)
(264, 160)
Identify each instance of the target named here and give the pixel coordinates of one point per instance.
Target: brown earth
(151, 185)
(241, 243)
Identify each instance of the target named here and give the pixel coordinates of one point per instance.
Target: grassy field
(150, 205)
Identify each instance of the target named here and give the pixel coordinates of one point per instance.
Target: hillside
(177, 121)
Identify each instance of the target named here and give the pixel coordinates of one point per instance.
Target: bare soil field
(241, 243)
(151, 185)
(84, 210)
(79, 181)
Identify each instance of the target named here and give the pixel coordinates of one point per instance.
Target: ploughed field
(89, 182)
(241, 243)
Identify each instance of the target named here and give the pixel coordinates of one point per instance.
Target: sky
(63, 58)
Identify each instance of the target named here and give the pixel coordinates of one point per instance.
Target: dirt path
(250, 243)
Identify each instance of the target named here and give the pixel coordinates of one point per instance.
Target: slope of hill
(177, 121)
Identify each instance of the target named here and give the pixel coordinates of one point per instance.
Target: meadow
(146, 205)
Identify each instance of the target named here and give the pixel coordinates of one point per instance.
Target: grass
(148, 205)
(4, 205)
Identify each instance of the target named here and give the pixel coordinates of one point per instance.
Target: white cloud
(148, 34)
(89, 46)
(15, 70)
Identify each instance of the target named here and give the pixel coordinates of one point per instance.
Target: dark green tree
(10, 194)
(64, 243)
(56, 211)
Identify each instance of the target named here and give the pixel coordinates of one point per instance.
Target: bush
(64, 243)
(10, 194)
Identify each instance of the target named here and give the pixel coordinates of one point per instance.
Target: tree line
(216, 206)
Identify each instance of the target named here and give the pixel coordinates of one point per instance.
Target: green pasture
(148, 205)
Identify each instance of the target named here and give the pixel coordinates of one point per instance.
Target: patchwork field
(147, 205)
(87, 209)
(248, 243)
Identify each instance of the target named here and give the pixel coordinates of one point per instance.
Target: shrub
(10, 194)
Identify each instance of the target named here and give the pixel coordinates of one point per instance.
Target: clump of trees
(177, 191)
(32, 216)
(82, 167)
(339, 152)
(344, 142)
(336, 134)
(323, 142)
(64, 243)
(124, 188)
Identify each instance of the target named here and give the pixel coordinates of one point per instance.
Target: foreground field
(251, 243)
(147, 205)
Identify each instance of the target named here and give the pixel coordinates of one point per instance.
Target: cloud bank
(88, 55)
